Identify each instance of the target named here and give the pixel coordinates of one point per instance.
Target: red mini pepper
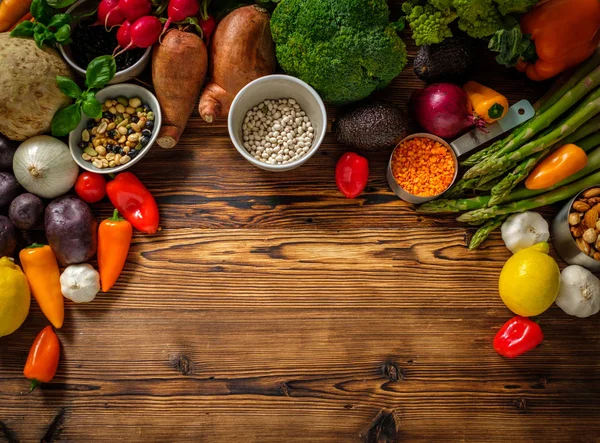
(134, 202)
(517, 336)
(351, 174)
(43, 357)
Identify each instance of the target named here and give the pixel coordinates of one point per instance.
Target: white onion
(44, 166)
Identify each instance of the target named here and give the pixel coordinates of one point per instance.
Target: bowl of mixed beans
(129, 126)
(422, 167)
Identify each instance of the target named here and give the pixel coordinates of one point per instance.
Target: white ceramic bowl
(277, 87)
(87, 6)
(112, 92)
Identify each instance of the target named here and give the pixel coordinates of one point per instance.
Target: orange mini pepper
(114, 239)
(565, 33)
(560, 164)
(41, 268)
(43, 357)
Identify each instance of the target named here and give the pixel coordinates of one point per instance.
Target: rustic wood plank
(271, 309)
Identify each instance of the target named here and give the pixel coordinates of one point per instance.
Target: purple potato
(26, 211)
(8, 237)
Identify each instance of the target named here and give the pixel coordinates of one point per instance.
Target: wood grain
(271, 309)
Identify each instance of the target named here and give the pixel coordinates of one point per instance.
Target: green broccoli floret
(344, 49)
(515, 6)
(428, 24)
(442, 5)
(478, 18)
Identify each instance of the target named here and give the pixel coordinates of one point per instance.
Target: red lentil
(423, 167)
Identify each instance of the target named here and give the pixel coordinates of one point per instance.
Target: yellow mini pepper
(487, 103)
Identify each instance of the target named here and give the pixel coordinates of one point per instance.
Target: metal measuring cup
(517, 114)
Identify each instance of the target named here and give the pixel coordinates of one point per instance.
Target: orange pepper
(43, 357)
(41, 268)
(11, 11)
(565, 33)
(560, 164)
(114, 239)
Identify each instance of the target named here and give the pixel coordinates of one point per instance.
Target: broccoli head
(345, 50)
(429, 24)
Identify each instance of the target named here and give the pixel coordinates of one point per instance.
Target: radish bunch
(115, 12)
(142, 33)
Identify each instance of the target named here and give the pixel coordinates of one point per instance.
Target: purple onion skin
(442, 109)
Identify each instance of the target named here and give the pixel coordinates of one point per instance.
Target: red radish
(443, 109)
(208, 26)
(144, 32)
(179, 10)
(105, 17)
(124, 36)
(131, 9)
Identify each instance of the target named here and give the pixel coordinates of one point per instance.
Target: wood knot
(521, 405)
(183, 364)
(384, 428)
(540, 384)
(392, 372)
(284, 389)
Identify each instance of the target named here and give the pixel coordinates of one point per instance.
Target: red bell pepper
(351, 174)
(134, 202)
(517, 336)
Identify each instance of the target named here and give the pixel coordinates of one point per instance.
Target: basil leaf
(68, 86)
(88, 95)
(59, 20)
(59, 4)
(100, 71)
(92, 108)
(41, 11)
(66, 120)
(63, 35)
(23, 29)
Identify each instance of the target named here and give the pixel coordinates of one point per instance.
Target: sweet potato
(242, 50)
(179, 66)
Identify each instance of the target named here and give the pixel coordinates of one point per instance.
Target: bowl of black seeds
(90, 40)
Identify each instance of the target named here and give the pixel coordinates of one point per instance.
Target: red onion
(443, 109)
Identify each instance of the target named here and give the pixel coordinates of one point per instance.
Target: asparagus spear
(562, 193)
(459, 188)
(485, 230)
(547, 101)
(584, 112)
(470, 204)
(522, 171)
(542, 106)
(537, 124)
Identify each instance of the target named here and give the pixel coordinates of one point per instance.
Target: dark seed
(82, 144)
(90, 124)
(150, 124)
(146, 108)
(144, 140)
(134, 119)
(122, 152)
(147, 132)
(106, 114)
(129, 131)
(133, 153)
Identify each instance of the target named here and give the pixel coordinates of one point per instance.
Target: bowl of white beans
(277, 122)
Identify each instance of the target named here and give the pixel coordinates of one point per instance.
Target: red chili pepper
(134, 202)
(90, 187)
(517, 336)
(43, 357)
(351, 174)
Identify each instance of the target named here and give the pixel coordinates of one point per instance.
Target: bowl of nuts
(576, 230)
(129, 125)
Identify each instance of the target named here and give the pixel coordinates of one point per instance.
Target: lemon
(529, 281)
(15, 297)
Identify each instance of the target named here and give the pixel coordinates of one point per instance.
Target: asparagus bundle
(485, 230)
(521, 172)
(562, 193)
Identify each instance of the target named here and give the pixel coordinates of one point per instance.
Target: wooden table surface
(271, 309)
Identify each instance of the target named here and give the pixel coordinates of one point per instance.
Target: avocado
(450, 61)
(371, 126)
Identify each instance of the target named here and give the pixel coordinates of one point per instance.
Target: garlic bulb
(579, 293)
(80, 283)
(44, 166)
(523, 230)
